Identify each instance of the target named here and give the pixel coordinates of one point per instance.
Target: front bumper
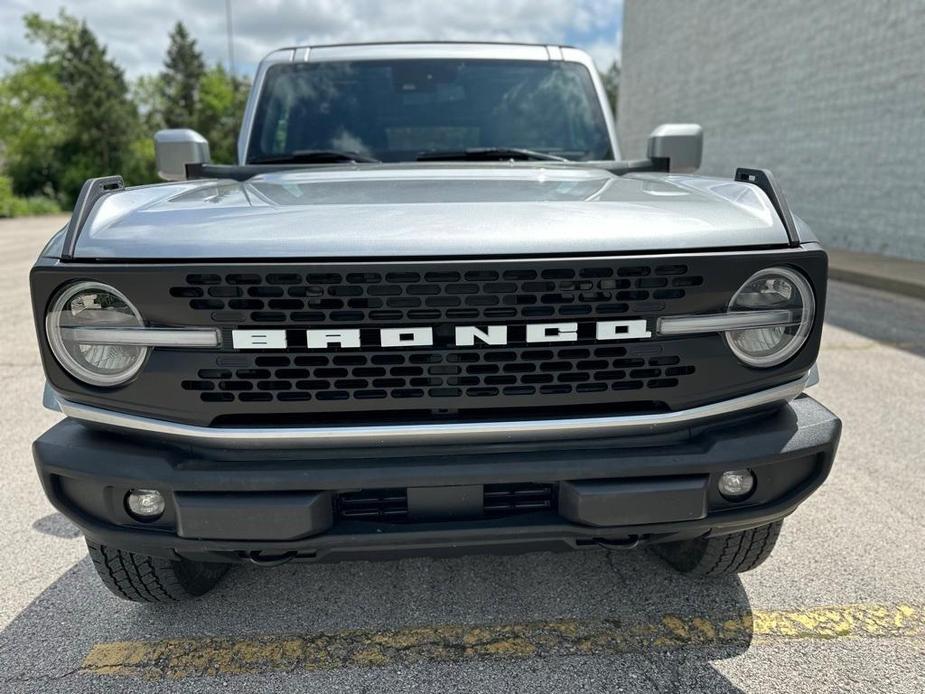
(232, 504)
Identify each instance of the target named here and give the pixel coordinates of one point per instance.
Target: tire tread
(140, 578)
(722, 555)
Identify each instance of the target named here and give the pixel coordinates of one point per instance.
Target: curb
(887, 284)
(894, 275)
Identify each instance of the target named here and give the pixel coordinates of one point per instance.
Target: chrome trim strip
(145, 337)
(50, 400)
(721, 322)
(438, 50)
(452, 432)
(812, 378)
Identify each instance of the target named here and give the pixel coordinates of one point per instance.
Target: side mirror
(175, 148)
(680, 143)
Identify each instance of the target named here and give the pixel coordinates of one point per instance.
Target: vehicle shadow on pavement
(56, 525)
(54, 634)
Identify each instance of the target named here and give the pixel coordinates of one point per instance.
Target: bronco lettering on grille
(463, 335)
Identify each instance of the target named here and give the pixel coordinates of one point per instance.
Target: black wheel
(141, 578)
(722, 555)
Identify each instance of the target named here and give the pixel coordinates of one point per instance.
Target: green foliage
(71, 115)
(104, 122)
(54, 35)
(611, 80)
(32, 127)
(148, 96)
(219, 106)
(181, 78)
(218, 117)
(67, 117)
(104, 118)
(189, 95)
(15, 206)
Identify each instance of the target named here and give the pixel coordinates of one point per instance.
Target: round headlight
(773, 289)
(93, 305)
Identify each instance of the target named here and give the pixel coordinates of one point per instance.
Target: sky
(135, 31)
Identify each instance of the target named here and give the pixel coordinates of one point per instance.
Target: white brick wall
(830, 95)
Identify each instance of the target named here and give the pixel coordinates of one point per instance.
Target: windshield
(396, 110)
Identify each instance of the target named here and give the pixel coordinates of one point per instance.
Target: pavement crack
(44, 678)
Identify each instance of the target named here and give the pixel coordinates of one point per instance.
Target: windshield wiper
(314, 156)
(488, 154)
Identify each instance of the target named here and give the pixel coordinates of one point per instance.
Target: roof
(391, 50)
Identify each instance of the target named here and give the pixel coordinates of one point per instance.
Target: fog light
(145, 504)
(735, 485)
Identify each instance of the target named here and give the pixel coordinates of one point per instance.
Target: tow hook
(261, 559)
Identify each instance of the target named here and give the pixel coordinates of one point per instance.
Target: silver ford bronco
(430, 309)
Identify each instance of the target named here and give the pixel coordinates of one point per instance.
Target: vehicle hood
(382, 211)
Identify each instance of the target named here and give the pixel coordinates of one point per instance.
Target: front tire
(140, 578)
(723, 555)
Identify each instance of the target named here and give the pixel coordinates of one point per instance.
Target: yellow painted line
(176, 658)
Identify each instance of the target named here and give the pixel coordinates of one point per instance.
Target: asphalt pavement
(840, 605)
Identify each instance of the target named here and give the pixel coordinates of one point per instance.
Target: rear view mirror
(680, 143)
(175, 148)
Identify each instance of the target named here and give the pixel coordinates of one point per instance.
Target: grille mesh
(473, 373)
(507, 499)
(319, 297)
(498, 500)
(442, 378)
(373, 505)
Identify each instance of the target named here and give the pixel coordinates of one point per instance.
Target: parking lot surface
(840, 606)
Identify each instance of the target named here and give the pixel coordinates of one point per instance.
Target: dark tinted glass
(396, 110)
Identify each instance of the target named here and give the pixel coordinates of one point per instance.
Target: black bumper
(229, 505)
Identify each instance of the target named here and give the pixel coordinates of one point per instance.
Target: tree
(221, 107)
(54, 35)
(148, 95)
(611, 79)
(189, 95)
(104, 120)
(34, 110)
(69, 116)
(33, 124)
(76, 119)
(181, 79)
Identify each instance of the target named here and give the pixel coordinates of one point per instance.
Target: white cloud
(606, 50)
(135, 33)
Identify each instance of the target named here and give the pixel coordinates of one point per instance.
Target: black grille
(298, 386)
(406, 296)
(448, 373)
(509, 499)
(439, 296)
(373, 505)
(391, 505)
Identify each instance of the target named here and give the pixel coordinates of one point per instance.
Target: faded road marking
(176, 658)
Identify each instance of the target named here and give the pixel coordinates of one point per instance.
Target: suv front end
(428, 312)
(563, 436)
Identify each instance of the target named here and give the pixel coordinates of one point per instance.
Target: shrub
(16, 206)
